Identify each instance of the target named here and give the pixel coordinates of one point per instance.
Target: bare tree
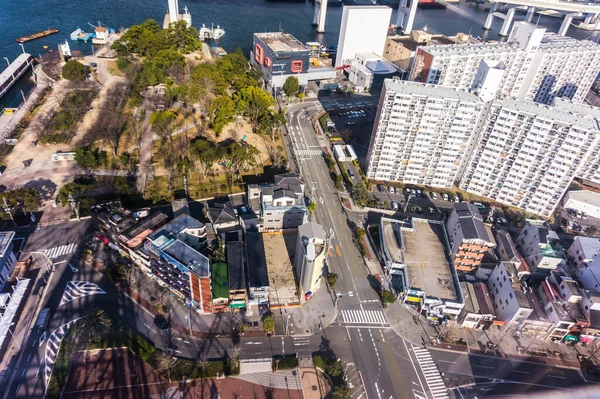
(201, 360)
(137, 127)
(166, 362)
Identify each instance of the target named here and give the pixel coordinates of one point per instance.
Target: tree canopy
(206, 153)
(252, 102)
(291, 86)
(74, 71)
(25, 199)
(221, 111)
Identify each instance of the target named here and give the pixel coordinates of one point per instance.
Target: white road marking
(78, 289)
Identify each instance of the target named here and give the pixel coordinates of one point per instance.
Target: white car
(395, 206)
(445, 196)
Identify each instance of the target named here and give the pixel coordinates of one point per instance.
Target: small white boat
(211, 33)
(76, 33)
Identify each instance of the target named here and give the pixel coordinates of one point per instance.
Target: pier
(15, 70)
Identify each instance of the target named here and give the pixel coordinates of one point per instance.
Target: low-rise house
(310, 258)
(282, 204)
(508, 296)
(258, 275)
(8, 259)
(222, 215)
(478, 313)
(584, 250)
(568, 288)
(220, 287)
(506, 249)
(248, 219)
(237, 275)
(469, 237)
(590, 305)
(540, 246)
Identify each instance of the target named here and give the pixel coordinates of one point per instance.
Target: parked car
(407, 192)
(395, 206)
(380, 188)
(161, 322)
(595, 371)
(431, 211)
(445, 197)
(392, 190)
(456, 199)
(350, 172)
(579, 214)
(433, 195)
(479, 205)
(413, 192)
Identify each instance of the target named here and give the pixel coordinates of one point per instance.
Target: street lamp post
(8, 63)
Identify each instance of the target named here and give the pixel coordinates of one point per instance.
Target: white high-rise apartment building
(511, 150)
(539, 66)
(528, 153)
(423, 133)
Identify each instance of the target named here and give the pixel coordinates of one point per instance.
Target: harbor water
(239, 18)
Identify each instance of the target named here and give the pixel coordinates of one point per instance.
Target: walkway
(283, 379)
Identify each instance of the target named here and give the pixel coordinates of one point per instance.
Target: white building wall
(589, 277)
(527, 158)
(363, 29)
(420, 138)
(503, 297)
(577, 255)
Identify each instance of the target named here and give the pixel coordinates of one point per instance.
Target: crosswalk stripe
(362, 316)
(59, 251)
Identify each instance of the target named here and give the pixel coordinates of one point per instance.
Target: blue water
(239, 18)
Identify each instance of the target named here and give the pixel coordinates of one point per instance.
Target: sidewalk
(316, 314)
(410, 326)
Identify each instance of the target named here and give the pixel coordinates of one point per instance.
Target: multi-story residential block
(540, 246)
(584, 250)
(310, 258)
(423, 134)
(528, 153)
(540, 66)
(478, 313)
(401, 50)
(282, 204)
(469, 237)
(508, 295)
(8, 258)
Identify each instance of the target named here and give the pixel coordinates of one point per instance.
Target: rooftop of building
(411, 43)
(392, 237)
(426, 260)
(135, 235)
(553, 43)
(258, 275)
(569, 113)
(218, 277)
(468, 49)
(281, 42)
(312, 230)
(586, 196)
(180, 206)
(235, 265)
(565, 311)
(290, 181)
(590, 246)
(177, 225)
(6, 238)
(375, 65)
(519, 290)
(430, 90)
(471, 222)
(504, 241)
(189, 257)
(477, 298)
(222, 212)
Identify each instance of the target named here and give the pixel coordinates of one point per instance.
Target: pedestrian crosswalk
(55, 252)
(308, 152)
(52, 346)
(434, 380)
(79, 289)
(363, 317)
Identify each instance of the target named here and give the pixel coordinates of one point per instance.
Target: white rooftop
(589, 197)
(430, 90)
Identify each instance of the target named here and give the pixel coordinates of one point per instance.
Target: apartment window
(510, 295)
(506, 300)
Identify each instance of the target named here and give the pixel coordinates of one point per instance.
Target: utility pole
(8, 210)
(75, 205)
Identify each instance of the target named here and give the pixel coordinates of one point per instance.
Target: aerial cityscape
(342, 199)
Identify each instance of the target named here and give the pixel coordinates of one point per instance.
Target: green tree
(252, 102)
(312, 207)
(268, 323)
(341, 392)
(94, 326)
(332, 279)
(360, 233)
(24, 199)
(74, 71)
(237, 157)
(88, 159)
(335, 369)
(206, 153)
(222, 111)
(167, 58)
(291, 86)
(387, 297)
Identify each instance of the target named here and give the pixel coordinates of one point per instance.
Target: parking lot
(355, 127)
(576, 222)
(419, 202)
